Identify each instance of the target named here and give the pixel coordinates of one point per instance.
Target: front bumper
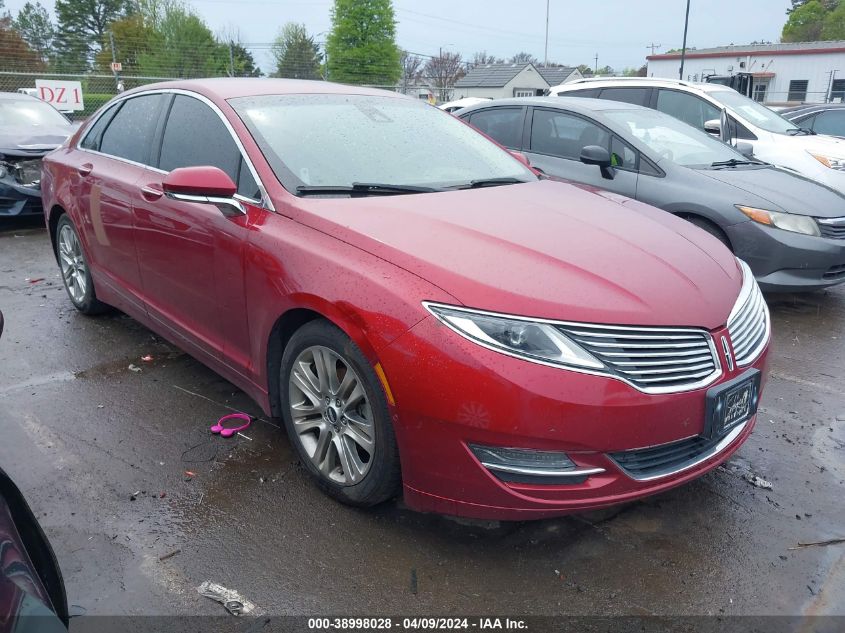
(783, 261)
(18, 200)
(450, 392)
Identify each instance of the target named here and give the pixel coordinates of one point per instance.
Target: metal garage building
(799, 72)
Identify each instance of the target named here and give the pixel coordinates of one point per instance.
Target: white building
(497, 81)
(800, 72)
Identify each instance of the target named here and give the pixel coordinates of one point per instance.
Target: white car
(773, 139)
(453, 106)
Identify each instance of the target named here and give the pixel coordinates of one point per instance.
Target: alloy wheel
(74, 269)
(331, 415)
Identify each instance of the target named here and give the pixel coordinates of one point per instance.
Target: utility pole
(114, 62)
(596, 71)
(231, 58)
(546, 58)
(653, 47)
(684, 49)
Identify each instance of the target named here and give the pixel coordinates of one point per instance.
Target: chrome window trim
(718, 448)
(265, 200)
(657, 390)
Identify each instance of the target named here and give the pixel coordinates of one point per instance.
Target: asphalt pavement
(100, 441)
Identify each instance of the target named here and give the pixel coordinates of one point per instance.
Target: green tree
(82, 26)
(17, 54)
(295, 53)
(34, 25)
(183, 46)
(834, 24)
(805, 23)
(361, 47)
(133, 37)
(244, 61)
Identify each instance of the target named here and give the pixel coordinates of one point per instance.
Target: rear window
(131, 131)
(637, 96)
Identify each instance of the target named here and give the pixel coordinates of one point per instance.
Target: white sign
(116, 67)
(63, 95)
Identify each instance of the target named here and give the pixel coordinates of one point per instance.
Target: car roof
(17, 96)
(580, 105)
(232, 87)
(571, 103)
(812, 107)
(660, 82)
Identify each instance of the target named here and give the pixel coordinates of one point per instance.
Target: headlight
(786, 221)
(516, 336)
(833, 162)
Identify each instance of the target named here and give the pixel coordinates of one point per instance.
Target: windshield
(753, 112)
(315, 140)
(673, 139)
(29, 112)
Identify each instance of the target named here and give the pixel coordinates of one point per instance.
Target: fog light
(530, 466)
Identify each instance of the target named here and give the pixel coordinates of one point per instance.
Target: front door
(190, 254)
(555, 143)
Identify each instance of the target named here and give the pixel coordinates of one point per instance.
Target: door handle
(85, 169)
(151, 193)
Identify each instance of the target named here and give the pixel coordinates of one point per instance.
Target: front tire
(76, 275)
(336, 415)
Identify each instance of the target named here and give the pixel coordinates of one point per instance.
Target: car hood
(782, 190)
(35, 141)
(819, 143)
(545, 249)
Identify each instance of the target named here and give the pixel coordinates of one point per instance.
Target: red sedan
(424, 311)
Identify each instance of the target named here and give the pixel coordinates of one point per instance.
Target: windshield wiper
(362, 189)
(800, 131)
(733, 162)
(492, 182)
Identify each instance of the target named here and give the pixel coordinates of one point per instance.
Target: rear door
(556, 139)
(504, 125)
(191, 255)
(112, 158)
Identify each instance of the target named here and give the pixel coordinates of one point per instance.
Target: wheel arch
(693, 217)
(56, 212)
(308, 309)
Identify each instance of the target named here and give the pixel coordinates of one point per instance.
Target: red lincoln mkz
(423, 311)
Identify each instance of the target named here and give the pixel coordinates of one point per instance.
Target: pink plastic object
(230, 431)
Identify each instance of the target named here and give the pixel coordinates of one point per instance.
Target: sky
(619, 31)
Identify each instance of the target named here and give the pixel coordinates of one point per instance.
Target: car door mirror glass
(713, 126)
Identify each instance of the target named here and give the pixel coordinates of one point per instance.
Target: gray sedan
(789, 229)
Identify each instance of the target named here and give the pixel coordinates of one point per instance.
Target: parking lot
(101, 452)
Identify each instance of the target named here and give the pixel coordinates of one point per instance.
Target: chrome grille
(748, 322)
(655, 360)
(832, 227)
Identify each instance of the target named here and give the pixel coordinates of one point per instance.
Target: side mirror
(746, 149)
(713, 127)
(596, 155)
(522, 158)
(209, 185)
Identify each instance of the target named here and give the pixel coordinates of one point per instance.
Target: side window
(564, 135)
(622, 155)
(504, 125)
(740, 131)
(130, 133)
(686, 107)
(829, 122)
(637, 96)
(95, 134)
(587, 93)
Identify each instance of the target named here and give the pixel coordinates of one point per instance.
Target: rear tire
(336, 415)
(76, 274)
